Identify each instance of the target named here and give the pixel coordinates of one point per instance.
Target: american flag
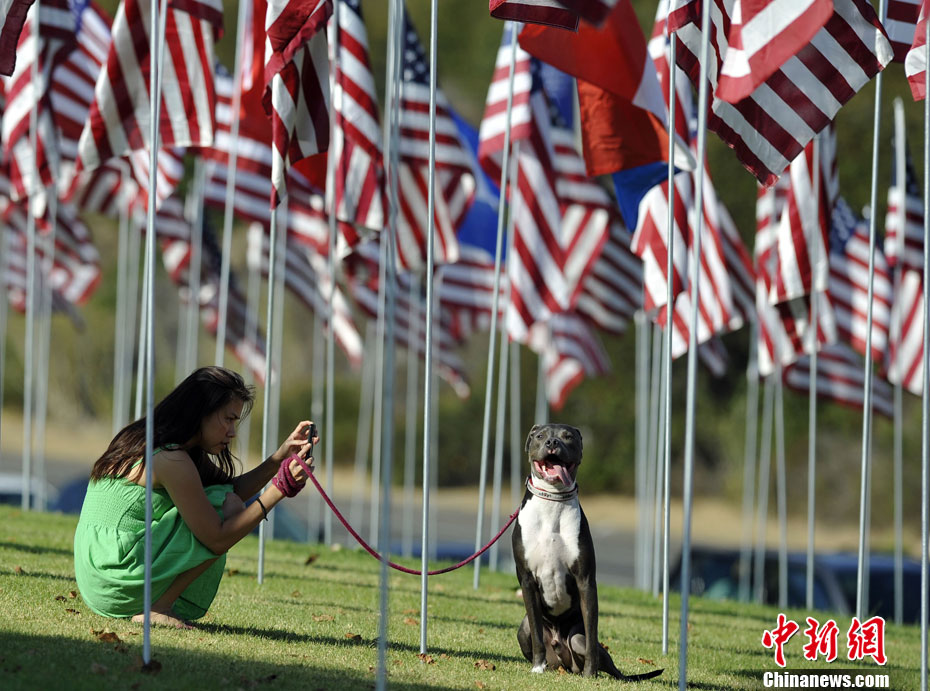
(915, 62)
(900, 23)
(840, 378)
(904, 222)
(454, 183)
(904, 362)
(761, 37)
(120, 181)
(13, 13)
(118, 120)
(47, 37)
(561, 13)
(359, 172)
(75, 272)
(296, 84)
(772, 125)
(613, 290)
(307, 276)
(247, 344)
(805, 220)
(570, 351)
(362, 268)
(848, 285)
(561, 217)
(783, 328)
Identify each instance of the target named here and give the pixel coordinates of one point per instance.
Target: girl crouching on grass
(198, 504)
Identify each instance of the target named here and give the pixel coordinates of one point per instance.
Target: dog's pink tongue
(563, 474)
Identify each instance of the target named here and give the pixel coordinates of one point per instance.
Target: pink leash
(372, 552)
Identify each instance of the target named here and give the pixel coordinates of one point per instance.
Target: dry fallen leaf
(647, 662)
(411, 611)
(323, 617)
(60, 598)
(354, 636)
(484, 664)
(72, 594)
(18, 570)
(232, 572)
(398, 663)
(562, 670)
(97, 668)
(296, 593)
(312, 558)
(443, 656)
(410, 621)
(72, 611)
(481, 685)
(428, 659)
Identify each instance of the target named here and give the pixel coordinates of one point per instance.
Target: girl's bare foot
(164, 619)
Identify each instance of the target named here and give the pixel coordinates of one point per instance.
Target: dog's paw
(539, 669)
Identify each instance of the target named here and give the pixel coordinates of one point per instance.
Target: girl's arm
(175, 471)
(251, 482)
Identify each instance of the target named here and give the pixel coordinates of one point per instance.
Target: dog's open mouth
(551, 470)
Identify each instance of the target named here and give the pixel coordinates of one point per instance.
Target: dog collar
(564, 495)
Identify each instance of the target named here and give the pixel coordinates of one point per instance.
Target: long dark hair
(178, 417)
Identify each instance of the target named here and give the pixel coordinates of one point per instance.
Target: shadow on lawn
(92, 664)
(32, 549)
(28, 573)
(291, 637)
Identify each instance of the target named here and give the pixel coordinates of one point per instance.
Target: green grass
(314, 626)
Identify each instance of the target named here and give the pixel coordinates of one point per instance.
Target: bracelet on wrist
(264, 510)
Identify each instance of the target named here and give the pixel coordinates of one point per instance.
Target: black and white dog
(554, 555)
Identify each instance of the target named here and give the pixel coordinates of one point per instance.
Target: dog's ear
(526, 447)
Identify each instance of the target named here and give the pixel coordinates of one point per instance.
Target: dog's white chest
(550, 532)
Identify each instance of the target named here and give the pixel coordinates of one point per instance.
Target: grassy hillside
(313, 624)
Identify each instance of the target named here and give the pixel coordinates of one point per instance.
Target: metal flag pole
(862, 595)
(694, 277)
(652, 489)
(749, 461)
(382, 333)
(386, 340)
(428, 365)
(489, 376)
(812, 399)
(542, 401)
(120, 321)
(331, 267)
(498, 479)
(781, 497)
(229, 203)
(669, 310)
(762, 501)
(196, 216)
(156, 52)
(253, 299)
(277, 347)
(925, 392)
(132, 358)
(317, 405)
(642, 429)
(4, 307)
(516, 448)
(895, 338)
(660, 469)
(143, 324)
(271, 287)
(363, 433)
(28, 365)
(410, 437)
(45, 333)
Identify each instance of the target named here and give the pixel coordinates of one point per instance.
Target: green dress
(109, 550)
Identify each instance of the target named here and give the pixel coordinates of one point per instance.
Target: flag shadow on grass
(92, 664)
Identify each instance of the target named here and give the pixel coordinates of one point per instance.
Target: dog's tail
(641, 677)
(606, 665)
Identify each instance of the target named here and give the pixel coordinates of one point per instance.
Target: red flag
(915, 63)
(561, 13)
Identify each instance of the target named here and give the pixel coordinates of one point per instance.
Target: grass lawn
(313, 625)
